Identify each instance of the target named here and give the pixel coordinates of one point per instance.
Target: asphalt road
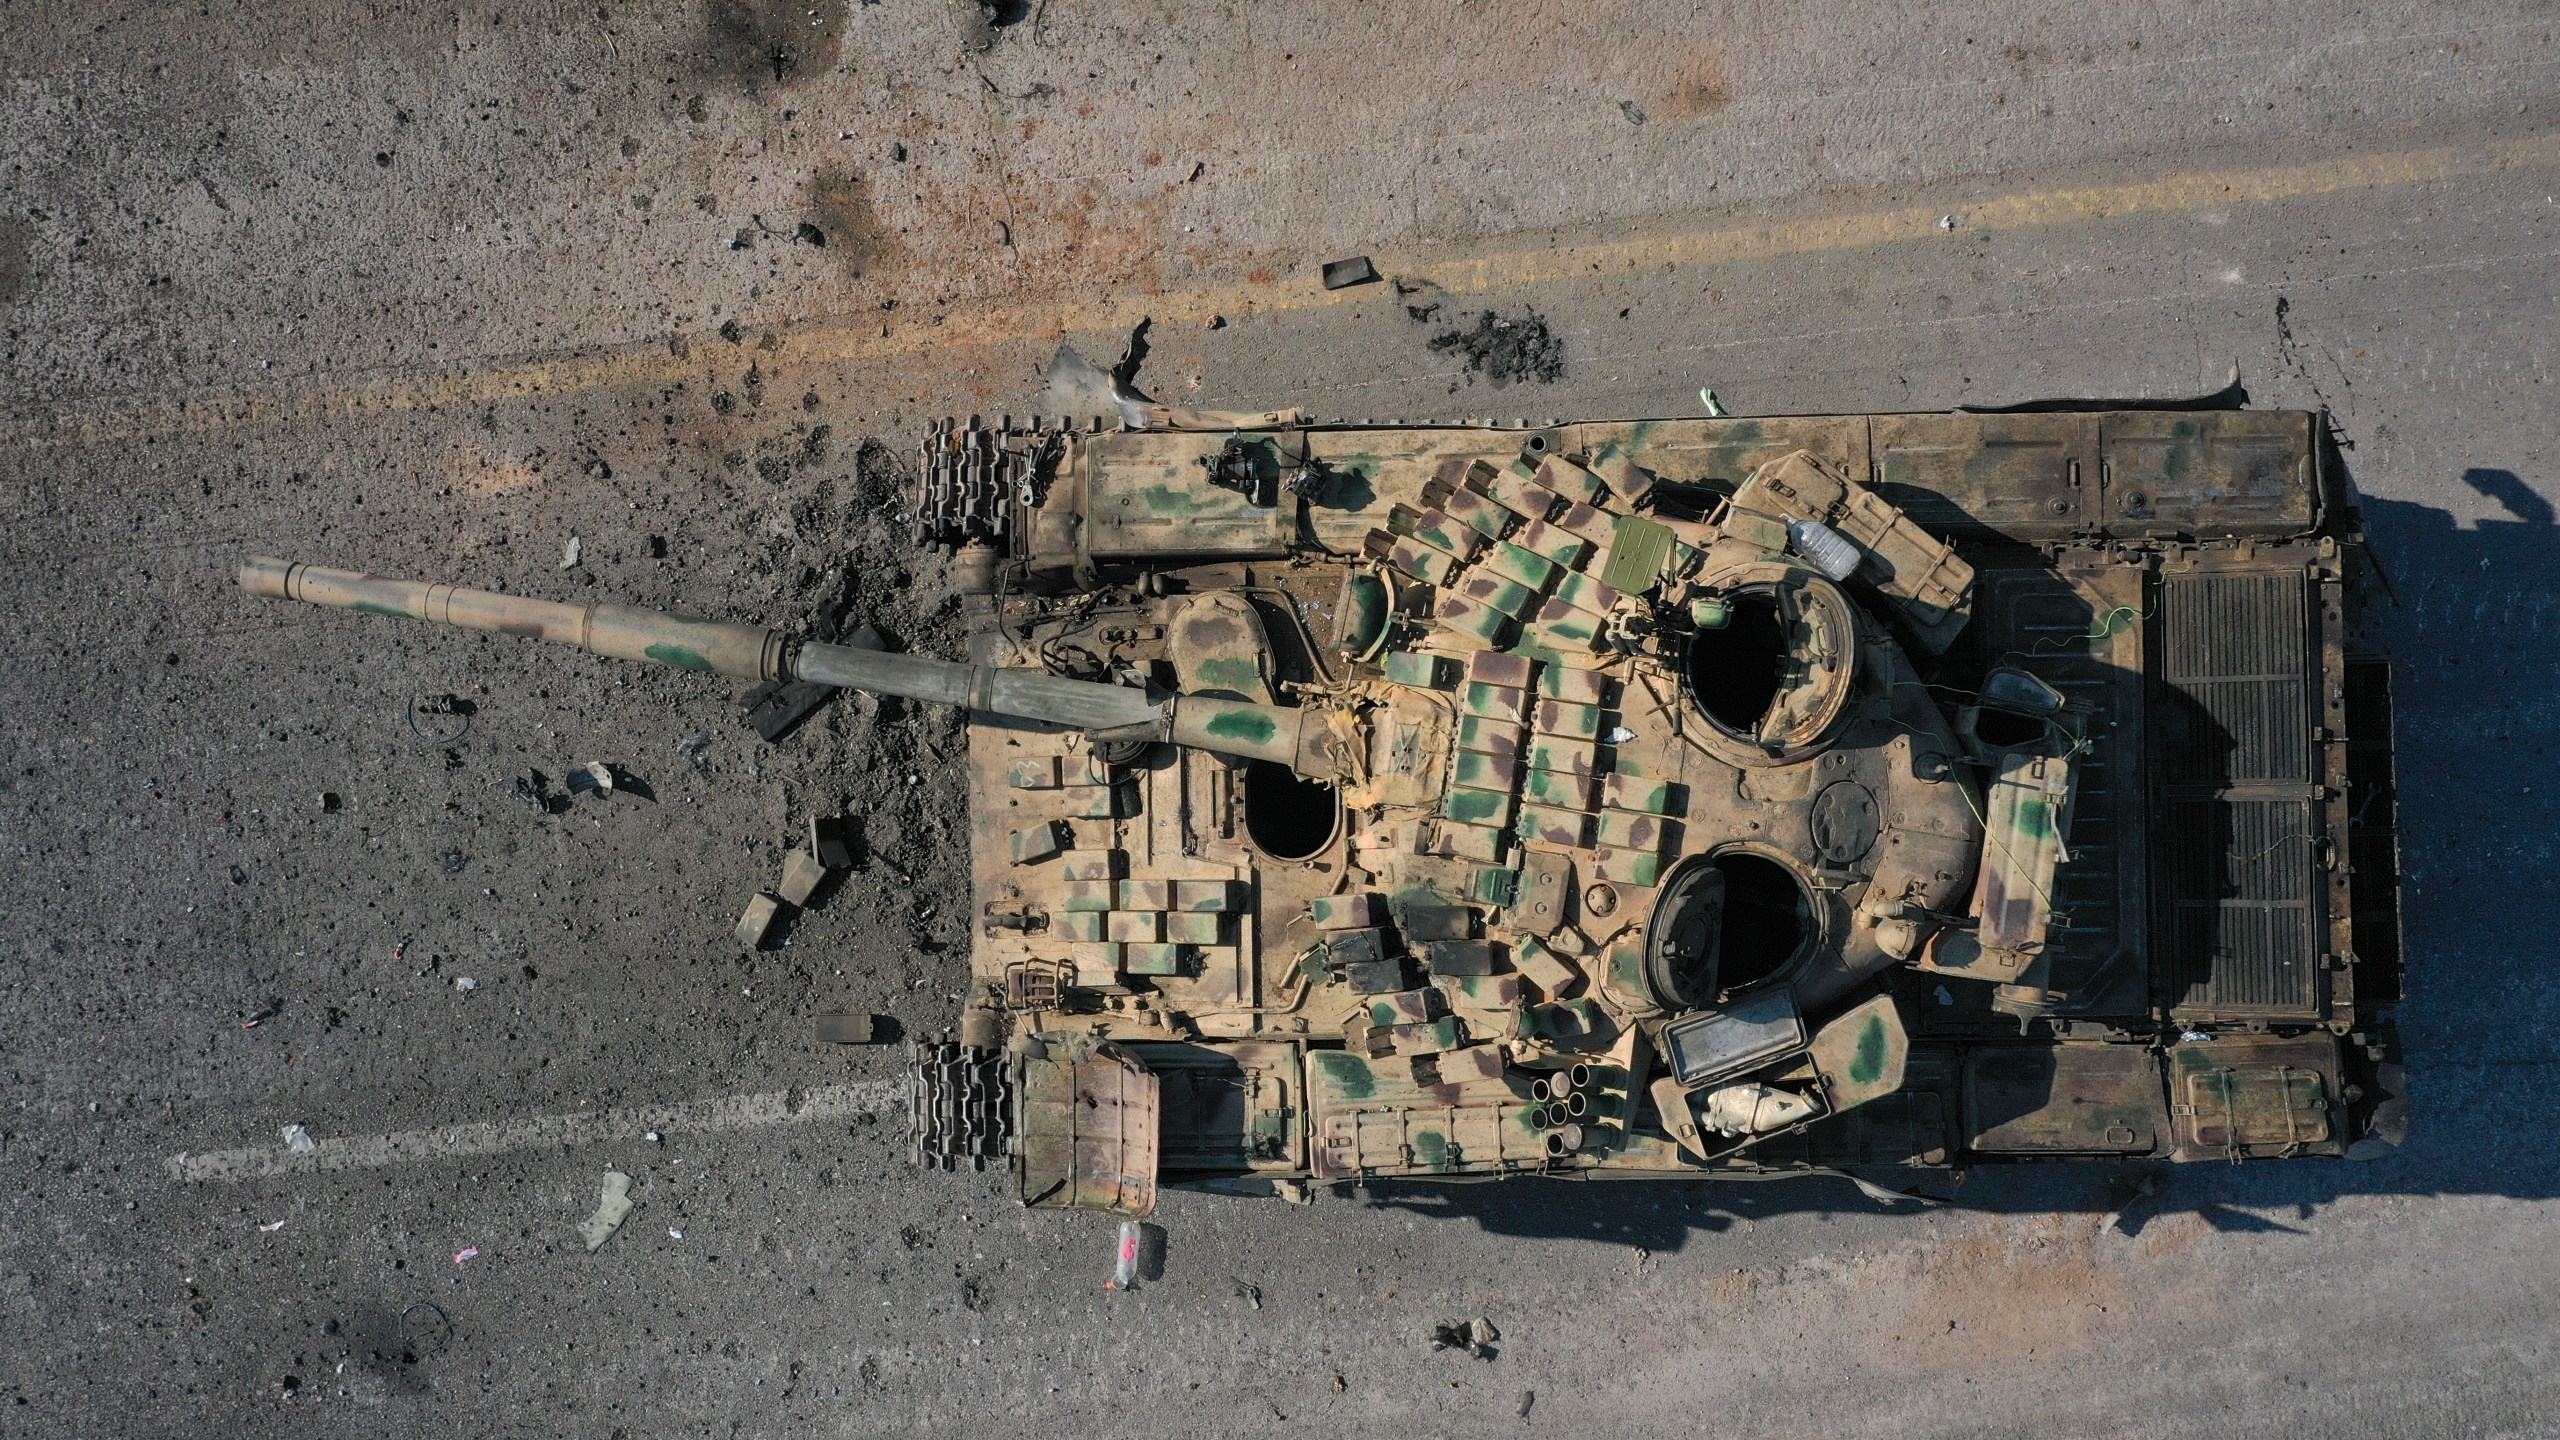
(430, 290)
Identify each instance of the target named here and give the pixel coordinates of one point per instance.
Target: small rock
(239, 876)
(1527, 1399)
(465, 984)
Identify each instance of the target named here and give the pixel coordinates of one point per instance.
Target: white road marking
(444, 1142)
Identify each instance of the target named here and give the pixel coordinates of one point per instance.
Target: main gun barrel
(751, 652)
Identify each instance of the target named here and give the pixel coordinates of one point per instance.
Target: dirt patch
(1506, 348)
(755, 44)
(1697, 89)
(838, 203)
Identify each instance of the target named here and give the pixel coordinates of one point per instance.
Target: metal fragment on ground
(758, 919)
(848, 1029)
(801, 874)
(1339, 274)
(831, 840)
(614, 1204)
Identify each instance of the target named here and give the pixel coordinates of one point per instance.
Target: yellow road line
(831, 340)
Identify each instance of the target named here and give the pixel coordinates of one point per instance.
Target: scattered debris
(239, 876)
(809, 234)
(696, 748)
(330, 803)
(849, 1029)
(1707, 397)
(1528, 1398)
(297, 1138)
(1215, 322)
(1475, 1336)
(610, 1210)
(758, 919)
(674, 1234)
(453, 861)
(266, 1012)
(1946, 222)
(449, 705)
(775, 708)
(831, 836)
(801, 873)
(1633, 111)
(595, 775)
(2143, 1189)
(569, 554)
(465, 1253)
(654, 1138)
(424, 1328)
(1341, 274)
(1249, 1293)
(1503, 349)
(271, 1227)
(465, 984)
(534, 789)
(598, 470)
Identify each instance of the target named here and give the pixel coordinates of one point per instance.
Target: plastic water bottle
(1124, 1273)
(1830, 552)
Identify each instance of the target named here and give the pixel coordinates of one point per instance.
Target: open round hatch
(1727, 922)
(1774, 675)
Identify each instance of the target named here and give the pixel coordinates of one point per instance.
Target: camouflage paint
(1244, 726)
(680, 656)
(1230, 674)
(1350, 1074)
(1869, 1061)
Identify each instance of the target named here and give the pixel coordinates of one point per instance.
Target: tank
(1708, 798)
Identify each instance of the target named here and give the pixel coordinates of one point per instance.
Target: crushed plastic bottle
(1831, 552)
(1124, 1272)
